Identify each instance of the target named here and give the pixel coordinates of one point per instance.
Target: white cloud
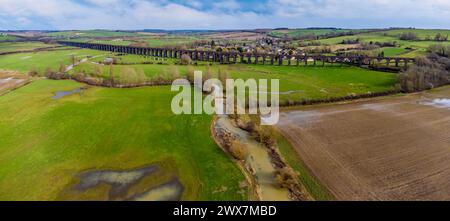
(225, 14)
(195, 4)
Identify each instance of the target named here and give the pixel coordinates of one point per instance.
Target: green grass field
(119, 41)
(43, 60)
(302, 82)
(21, 46)
(392, 52)
(7, 37)
(46, 142)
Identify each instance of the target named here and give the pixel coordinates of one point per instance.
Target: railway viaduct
(248, 58)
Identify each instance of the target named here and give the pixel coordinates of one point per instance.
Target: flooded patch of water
(302, 117)
(440, 102)
(170, 191)
(119, 181)
(124, 185)
(6, 80)
(61, 94)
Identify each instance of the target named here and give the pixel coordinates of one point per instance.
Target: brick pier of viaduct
(247, 58)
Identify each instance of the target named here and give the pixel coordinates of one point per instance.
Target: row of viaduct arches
(248, 58)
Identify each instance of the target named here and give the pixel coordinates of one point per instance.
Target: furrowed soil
(395, 148)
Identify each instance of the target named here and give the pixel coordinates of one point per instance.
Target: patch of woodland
(428, 71)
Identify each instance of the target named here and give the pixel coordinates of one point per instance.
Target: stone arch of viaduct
(248, 58)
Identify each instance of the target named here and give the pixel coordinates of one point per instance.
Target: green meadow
(296, 83)
(43, 60)
(21, 46)
(47, 142)
(7, 37)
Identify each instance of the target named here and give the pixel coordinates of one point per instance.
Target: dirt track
(384, 149)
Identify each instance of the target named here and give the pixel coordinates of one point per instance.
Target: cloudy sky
(222, 14)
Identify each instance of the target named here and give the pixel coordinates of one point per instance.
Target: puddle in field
(10, 83)
(11, 79)
(259, 160)
(119, 183)
(61, 94)
(170, 191)
(6, 80)
(440, 102)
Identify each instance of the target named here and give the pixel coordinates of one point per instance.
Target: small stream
(258, 159)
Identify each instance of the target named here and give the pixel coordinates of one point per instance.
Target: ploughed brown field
(395, 148)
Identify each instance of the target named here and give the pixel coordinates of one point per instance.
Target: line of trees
(411, 36)
(408, 36)
(428, 72)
